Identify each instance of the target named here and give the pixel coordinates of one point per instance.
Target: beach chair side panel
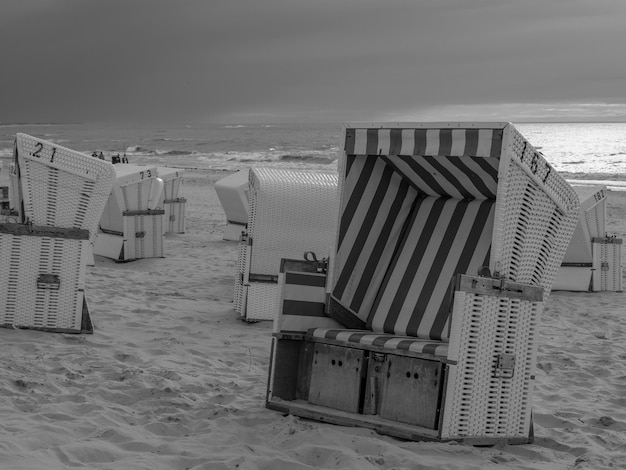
(174, 215)
(42, 282)
(607, 264)
(493, 350)
(143, 234)
(538, 212)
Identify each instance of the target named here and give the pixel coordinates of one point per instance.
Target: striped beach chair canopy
(420, 203)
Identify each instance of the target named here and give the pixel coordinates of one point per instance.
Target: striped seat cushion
(386, 341)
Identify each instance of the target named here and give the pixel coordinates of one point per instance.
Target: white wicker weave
(479, 403)
(61, 187)
(27, 300)
(290, 212)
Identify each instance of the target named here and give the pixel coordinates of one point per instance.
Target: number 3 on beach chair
(400, 333)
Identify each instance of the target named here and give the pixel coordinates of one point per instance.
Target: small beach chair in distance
(450, 235)
(61, 194)
(173, 203)
(290, 212)
(592, 261)
(131, 226)
(232, 191)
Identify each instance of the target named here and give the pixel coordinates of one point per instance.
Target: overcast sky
(312, 60)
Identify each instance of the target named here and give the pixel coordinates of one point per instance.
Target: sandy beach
(172, 379)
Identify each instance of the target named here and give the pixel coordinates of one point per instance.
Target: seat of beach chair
(425, 208)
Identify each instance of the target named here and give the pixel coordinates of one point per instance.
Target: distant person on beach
(101, 156)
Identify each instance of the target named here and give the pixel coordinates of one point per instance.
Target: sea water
(572, 148)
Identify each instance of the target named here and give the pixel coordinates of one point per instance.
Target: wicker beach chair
(450, 236)
(173, 203)
(592, 261)
(291, 211)
(232, 191)
(60, 195)
(131, 226)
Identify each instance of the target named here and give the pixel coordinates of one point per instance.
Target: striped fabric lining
(391, 342)
(436, 142)
(380, 202)
(450, 176)
(445, 237)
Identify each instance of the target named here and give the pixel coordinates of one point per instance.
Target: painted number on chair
(536, 163)
(146, 173)
(39, 152)
(599, 195)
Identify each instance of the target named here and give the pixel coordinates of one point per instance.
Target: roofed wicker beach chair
(59, 195)
(291, 211)
(232, 192)
(592, 261)
(173, 204)
(131, 226)
(450, 236)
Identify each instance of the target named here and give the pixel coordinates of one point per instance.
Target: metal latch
(505, 366)
(378, 357)
(48, 281)
(172, 218)
(140, 234)
(604, 266)
(245, 239)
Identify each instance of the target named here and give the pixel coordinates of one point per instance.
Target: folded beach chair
(592, 261)
(173, 203)
(59, 195)
(291, 211)
(131, 226)
(232, 192)
(424, 324)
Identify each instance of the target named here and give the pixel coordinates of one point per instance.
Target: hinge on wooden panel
(48, 281)
(140, 234)
(505, 366)
(604, 266)
(172, 218)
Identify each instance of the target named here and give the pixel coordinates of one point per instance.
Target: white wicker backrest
(62, 187)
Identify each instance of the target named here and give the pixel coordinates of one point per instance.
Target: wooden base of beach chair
(392, 394)
(174, 216)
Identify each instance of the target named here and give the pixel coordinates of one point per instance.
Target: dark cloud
(74, 60)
